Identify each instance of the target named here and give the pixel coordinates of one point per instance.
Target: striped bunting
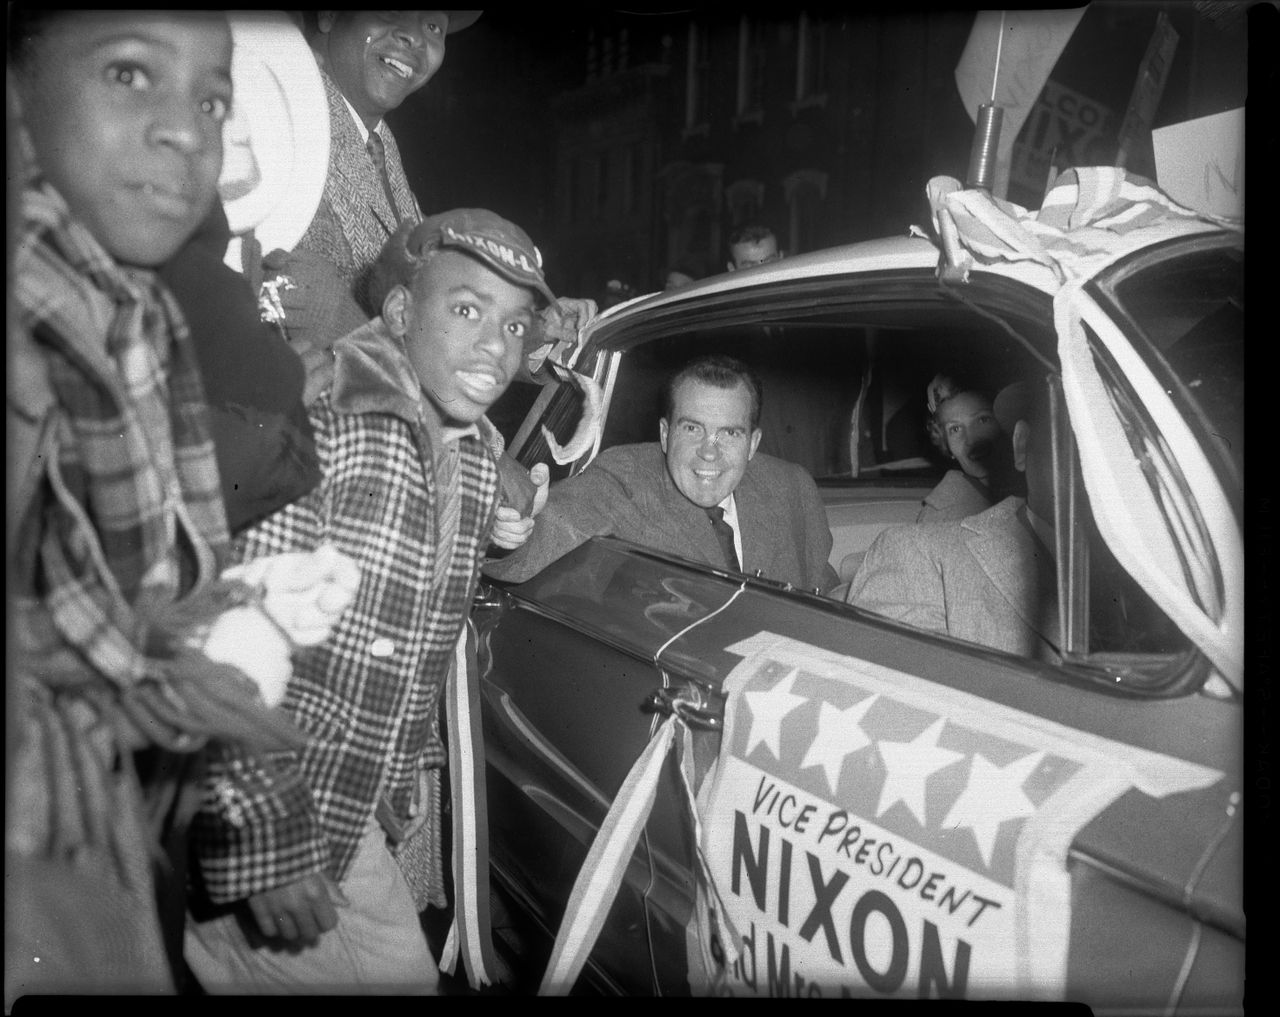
(470, 933)
(1090, 216)
(601, 874)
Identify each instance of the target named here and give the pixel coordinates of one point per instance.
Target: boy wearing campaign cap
(410, 492)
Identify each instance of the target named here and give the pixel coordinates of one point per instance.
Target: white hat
(276, 141)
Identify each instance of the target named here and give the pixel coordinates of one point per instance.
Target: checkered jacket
(368, 696)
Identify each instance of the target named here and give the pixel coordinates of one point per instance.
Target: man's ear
(1021, 437)
(731, 266)
(325, 20)
(397, 310)
(755, 443)
(662, 433)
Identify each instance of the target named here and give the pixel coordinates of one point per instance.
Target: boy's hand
(298, 912)
(304, 592)
(510, 527)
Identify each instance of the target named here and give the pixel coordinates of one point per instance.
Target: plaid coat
(111, 457)
(114, 512)
(368, 696)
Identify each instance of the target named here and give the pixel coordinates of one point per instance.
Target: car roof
(907, 252)
(898, 253)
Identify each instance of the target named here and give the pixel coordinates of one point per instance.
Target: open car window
(844, 390)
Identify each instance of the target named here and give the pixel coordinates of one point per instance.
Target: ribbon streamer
(601, 874)
(470, 932)
(589, 424)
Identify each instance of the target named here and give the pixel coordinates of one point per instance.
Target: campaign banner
(872, 834)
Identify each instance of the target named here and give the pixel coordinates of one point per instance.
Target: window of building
(751, 64)
(629, 187)
(811, 63)
(697, 81)
(805, 192)
(745, 199)
(602, 183)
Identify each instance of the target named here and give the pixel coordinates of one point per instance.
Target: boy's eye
(518, 329)
(216, 107)
(129, 75)
(468, 311)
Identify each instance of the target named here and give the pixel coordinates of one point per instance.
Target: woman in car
(964, 428)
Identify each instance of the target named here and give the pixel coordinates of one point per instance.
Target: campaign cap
(501, 245)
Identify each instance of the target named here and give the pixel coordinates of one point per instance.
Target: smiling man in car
(701, 491)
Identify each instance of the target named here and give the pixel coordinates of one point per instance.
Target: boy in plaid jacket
(295, 850)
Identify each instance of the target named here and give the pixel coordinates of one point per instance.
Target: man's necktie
(724, 534)
(378, 153)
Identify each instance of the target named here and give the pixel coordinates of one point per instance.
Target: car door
(1109, 871)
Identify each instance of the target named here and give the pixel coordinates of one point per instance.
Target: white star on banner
(909, 765)
(840, 735)
(992, 795)
(767, 711)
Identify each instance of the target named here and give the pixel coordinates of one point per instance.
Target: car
(885, 811)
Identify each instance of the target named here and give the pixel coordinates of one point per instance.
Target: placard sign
(871, 834)
(1067, 128)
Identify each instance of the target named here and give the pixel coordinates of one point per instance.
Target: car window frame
(1004, 301)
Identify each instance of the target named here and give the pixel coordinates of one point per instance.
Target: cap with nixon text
(501, 245)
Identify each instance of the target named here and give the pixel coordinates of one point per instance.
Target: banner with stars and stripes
(873, 834)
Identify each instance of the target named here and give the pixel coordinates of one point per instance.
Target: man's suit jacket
(956, 497)
(986, 579)
(354, 219)
(627, 492)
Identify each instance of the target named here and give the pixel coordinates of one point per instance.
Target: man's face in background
(380, 58)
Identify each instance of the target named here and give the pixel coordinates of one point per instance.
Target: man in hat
(296, 851)
(990, 578)
(370, 63)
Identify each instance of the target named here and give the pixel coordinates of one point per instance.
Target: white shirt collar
(730, 507)
(364, 131)
(452, 434)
